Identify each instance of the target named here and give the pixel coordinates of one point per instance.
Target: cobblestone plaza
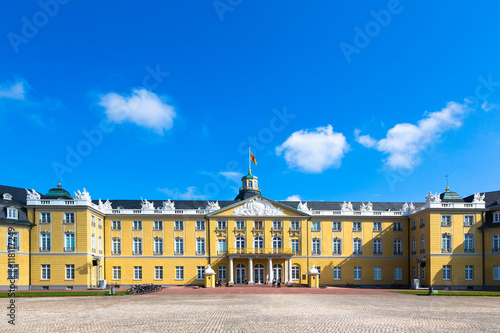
(353, 312)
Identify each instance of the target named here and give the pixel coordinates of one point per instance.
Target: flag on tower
(253, 158)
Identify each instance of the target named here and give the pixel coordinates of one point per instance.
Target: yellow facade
(251, 241)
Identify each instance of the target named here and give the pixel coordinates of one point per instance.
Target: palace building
(60, 241)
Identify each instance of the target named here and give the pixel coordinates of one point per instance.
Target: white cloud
(314, 151)
(190, 194)
(142, 108)
(232, 175)
(294, 197)
(404, 142)
(489, 106)
(12, 91)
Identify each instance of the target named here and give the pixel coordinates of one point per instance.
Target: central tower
(249, 187)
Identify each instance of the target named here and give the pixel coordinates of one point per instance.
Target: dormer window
(496, 217)
(7, 196)
(11, 213)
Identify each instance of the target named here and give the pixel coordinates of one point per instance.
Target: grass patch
(59, 294)
(451, 293)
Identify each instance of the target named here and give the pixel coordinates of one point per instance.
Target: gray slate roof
(18, 200)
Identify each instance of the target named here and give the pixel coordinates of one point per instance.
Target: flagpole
(249, 161)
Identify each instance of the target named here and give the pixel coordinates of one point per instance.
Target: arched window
(277, 243)
(258, 243)
(240, 242)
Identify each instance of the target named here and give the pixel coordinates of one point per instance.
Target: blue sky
(365, 101)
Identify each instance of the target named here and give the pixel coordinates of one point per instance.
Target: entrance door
(277, 268)
(258, 273)
(240, 273)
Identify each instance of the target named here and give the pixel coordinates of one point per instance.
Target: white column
(270, 269)
(250, 271)
(231, 275)
(290, 271)
(285, 280)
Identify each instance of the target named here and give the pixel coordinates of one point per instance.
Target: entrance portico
(256, 270)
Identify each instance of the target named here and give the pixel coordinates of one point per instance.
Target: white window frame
(377, 273)
(200, 270)
(116, 225)
(337, 273)
(496, 272)
(178, 225)
(13, 272)
(45, 273)
(158, 245)
(179, 272)
(295, 273)
(117, 272)
(316, 226)
(336, 226)
(16, 243)
(496, 217)
(398, 273)
(200, 225)
(357, 273)
(137, 225)
(222, 272)
(12, 213)
(70, 272)
(446, 272)
(295, 225)
(158, 272)
(295, 245)
(137, 273)
(469, 273)
(158, 225)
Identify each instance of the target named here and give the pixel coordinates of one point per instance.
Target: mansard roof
(18, 195)
(18, 201)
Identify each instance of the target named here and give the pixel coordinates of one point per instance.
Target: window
(100, 244)
(445, 220)
(70, 272)
(116, 225)
(496, 243)
(179, 246)
(45, 272)
(422, 273)
(44, 217)
(92, 220)
(258, 243)
(315, 226)
(200, 245)
(445, 243)
(221, 225)
(397, 226)
(221, 246)
(295, 273)
(295, 246)
(496, 217)
(377, 226)
(178, 225)
(13, 241)
(222, 272)
(137, 246)
(469, 272)
(357, 273)
(496, 273)
(446, 272)
(398, 273)
(413, 245)
(179, 272)
(295, 225)
(137, 225)
(468, 243)
(276, 225)
(158, 225)
(13, 272)
(413, 225)
(200, 225)
(199, 272)
(11, 213)
(240, 242)
(137, 272)
(356, 226)
(316, 246)
(117, 272)
(337, 226)
(337, 246)
(398, 250)
(422, 244)
(377, 246)
(377, 273)
(277, 243)
(337, 273)
(69, 242)
(158, 272)
(356, 246)
(468, 220)
(45, 242)
(422, 223)
(158, 245)
(319, 271)
(92, 242)
(258, 225)
(240, 225)
(116, 246)
(69, 218)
